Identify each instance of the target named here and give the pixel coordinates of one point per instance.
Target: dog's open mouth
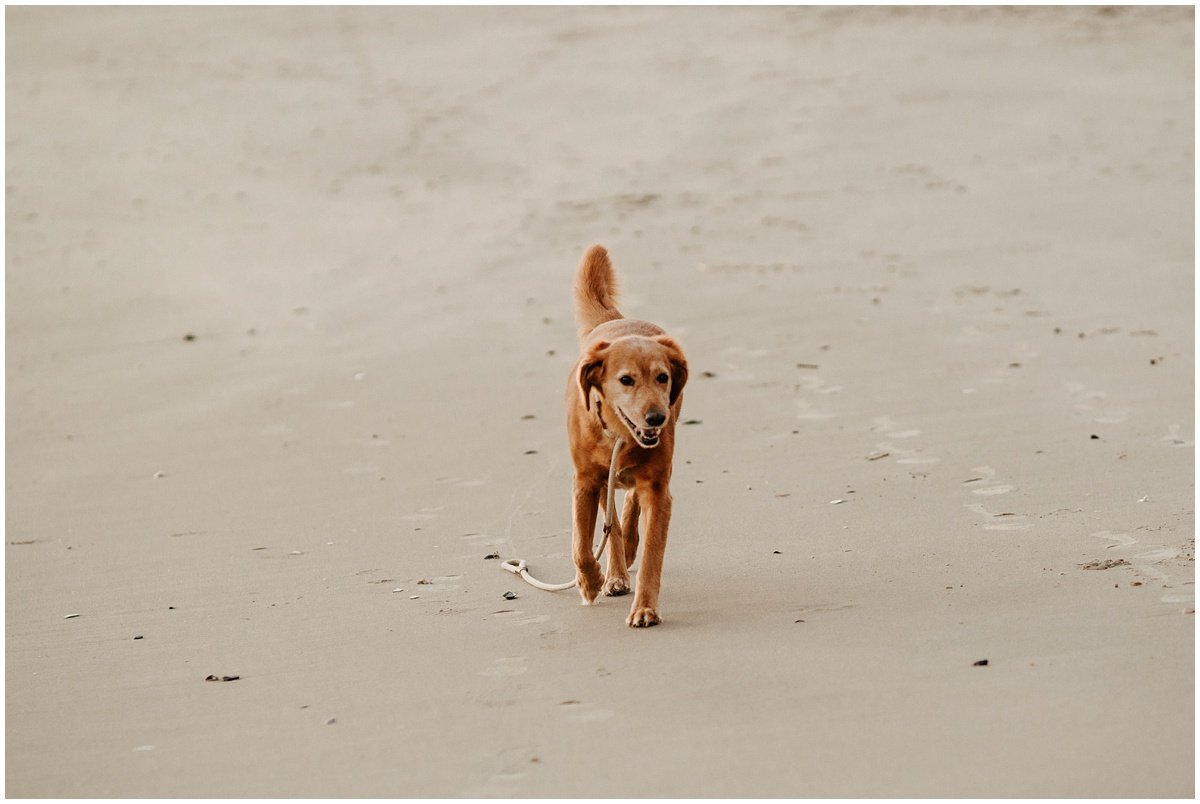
(645, 436)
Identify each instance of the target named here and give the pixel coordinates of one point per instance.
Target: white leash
(517, 566)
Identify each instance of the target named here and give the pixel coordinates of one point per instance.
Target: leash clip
(514, 565)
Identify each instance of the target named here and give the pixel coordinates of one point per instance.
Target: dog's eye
(627, 380)
(663, 378)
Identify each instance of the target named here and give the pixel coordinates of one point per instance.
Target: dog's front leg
(587, 568)
(657, 501)
(616, 579)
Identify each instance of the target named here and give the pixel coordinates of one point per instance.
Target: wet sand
(288, 322)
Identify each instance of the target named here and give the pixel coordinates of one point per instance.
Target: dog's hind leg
(629, 526)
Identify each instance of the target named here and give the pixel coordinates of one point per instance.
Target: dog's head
(638, 378)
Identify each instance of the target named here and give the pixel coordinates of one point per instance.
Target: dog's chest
(635, 465)
(629, 468)
(626, 478)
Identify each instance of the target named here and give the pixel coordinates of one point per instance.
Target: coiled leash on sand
(517, 566)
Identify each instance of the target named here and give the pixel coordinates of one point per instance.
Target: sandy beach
(289, 321)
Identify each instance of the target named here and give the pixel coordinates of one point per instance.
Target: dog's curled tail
(595, 292)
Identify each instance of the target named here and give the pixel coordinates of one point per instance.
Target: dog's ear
(679, 368)
(591, 370)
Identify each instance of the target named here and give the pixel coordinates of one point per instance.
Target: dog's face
(639, 380)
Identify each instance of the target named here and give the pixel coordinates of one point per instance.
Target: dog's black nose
(655, 418)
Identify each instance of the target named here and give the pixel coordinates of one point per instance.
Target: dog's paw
(616, 586)
(642, 617)
(589, 586)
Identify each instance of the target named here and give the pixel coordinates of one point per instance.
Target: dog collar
(600, 418)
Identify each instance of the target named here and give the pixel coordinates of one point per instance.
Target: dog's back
(595, 292)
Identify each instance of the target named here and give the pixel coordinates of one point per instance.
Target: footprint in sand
(732, 368)
(995, 377)
(1148, 562)
(373, 441)
(509, 768)
(484, 544)
(1022, 353)
(984, 484)
(807, 412)
(819, 608)
(1012, 521)
(517, 617)
(1090, 403)
(1119, 540)
(814, 384)
(1174, 439)
(423, 514)
(578, 712)
(439, 583)
(988, 491)
(817, 385)
(505, 668)
(893, 429)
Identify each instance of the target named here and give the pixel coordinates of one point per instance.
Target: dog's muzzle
(645, 436)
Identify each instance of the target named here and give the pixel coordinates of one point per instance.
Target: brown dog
(628, 383)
